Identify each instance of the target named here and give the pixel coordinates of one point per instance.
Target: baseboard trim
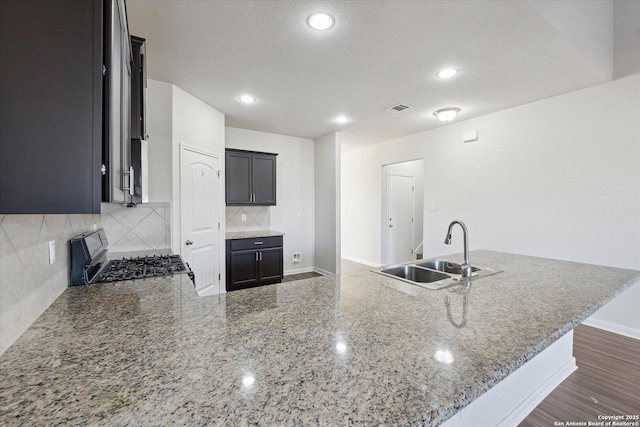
(210, 290)
(362, 261)
(323, 272)
(616, 328)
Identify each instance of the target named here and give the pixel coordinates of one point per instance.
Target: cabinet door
(238, 178)
(51, 106)
(271, 264)
(244, 268)
(264, 179)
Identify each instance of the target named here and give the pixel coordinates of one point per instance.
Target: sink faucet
(466, 267)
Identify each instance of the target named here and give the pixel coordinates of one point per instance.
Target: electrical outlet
(297, 257)
(243, 217)
(52, 251)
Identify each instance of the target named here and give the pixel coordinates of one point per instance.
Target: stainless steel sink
(446, 266)
(415, 274)
(432, 274)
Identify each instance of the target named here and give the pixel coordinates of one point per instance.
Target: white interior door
(400, 210)
(200, 206)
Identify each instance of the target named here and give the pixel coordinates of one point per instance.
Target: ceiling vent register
(397, 108)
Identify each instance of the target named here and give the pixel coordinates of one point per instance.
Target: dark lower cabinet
(254, 262)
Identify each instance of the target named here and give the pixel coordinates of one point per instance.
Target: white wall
(587, 25)
(558, 178)
(626, 34)
(294, 213)
(327, 203)
(159, 127)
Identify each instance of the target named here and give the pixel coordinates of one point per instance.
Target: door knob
(188, 242)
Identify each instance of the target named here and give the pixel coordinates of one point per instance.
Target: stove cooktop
(143, 267)
(89, 263)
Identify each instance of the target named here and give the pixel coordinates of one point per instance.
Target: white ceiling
(379, 53)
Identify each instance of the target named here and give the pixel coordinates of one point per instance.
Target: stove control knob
(188, 242)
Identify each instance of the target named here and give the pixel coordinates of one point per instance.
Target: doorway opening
(402, 211)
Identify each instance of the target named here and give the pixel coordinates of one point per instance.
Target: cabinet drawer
(256, 243)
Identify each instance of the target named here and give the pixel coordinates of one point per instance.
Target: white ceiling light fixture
(341, 119)
(247, 99)
(320, 21)
(446, 114)
(447, 73)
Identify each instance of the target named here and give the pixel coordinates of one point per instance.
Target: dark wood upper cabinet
(250, 178)
(50, 106)
(64, 105)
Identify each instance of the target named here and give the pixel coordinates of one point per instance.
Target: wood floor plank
(300, 276)
(607, 381)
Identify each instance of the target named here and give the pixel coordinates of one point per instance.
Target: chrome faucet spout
(466, 266)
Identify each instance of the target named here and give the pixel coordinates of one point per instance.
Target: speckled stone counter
(230, 235)
(352, 349)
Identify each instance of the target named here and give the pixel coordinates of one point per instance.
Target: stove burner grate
(143, 267)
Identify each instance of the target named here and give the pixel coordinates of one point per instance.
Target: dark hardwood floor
(607, 382)
(300, 276)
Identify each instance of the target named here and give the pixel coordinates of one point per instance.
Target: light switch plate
(52, 251)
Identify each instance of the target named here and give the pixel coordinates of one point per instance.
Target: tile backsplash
(143, 228)
(29, 284)
(256, 218)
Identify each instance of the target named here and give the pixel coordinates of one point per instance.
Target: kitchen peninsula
(357, 348)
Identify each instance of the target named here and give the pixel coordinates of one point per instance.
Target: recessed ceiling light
(447, 73)
(446, 114)
(342, 119)
(320, 21)
(247, 99)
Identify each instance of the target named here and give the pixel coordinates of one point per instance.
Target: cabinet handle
(129, 174)
(257, 257)
(258, 243)
(260, 256)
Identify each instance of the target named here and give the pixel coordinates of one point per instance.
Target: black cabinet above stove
(65, 108)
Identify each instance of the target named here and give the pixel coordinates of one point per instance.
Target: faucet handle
(466, 270)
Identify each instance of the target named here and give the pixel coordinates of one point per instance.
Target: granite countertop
(231, 235)
(352, 349)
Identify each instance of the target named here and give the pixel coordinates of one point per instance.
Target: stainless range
(89, 263)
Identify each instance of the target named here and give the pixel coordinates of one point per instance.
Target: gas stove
(89, 263)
